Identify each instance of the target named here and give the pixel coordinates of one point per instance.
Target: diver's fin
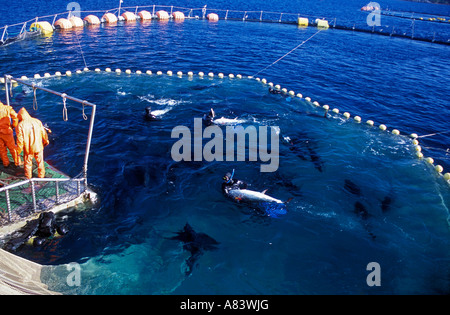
(289, 200)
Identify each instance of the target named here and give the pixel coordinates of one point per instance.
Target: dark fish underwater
(195, 243)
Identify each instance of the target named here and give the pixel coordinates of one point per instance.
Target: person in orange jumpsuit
(31, 139)
(7, 114)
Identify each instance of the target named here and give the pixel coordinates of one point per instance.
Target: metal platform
(23, 199)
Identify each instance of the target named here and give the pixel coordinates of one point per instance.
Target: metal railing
(65, 189)
(250, 16)
(39, 194)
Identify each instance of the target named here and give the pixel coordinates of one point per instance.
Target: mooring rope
(81, 49)
(298, 46)
(433, 134)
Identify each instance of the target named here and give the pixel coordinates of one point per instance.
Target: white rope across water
(434, 134)
(298, 46)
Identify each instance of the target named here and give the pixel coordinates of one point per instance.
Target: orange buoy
(76, 21)
(145, 15)
(92, 20)
(129, 16)
(178, 16)
(63, 24)
(162, 15)
(110, 18)
(212, 17)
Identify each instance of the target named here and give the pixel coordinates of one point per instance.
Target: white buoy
(47, 75)
(231, 76)
(291, 93)
(308, 99)
(270, 84)
(86, 69)
(316, 103)
(128, 71)
(414, 135)
(239, 76)
(419, 155)
(159, 73)
(429, 160)
(257, 79)
(2, 80)
(169, 73)
(190, 73)
(264, 81)
(284, 90)
(98, 70)
(201, 74)
(138, 72)
(118, 71)
(68, 73)
(418, 148)
(58, 74)
(336, 110)
(347, 115)
(108, 70)
(415, 142)
(79, 72)
(370, 122)
(357, 119)
(149, 72)
(221, 75)
(180, 74)
(37, 76)
(447, 176)
(395, 132)
(383, 127)
(211, 75)
(439, 168)
(299, 95)
(278, 87)
(326, 107)
(23, 78)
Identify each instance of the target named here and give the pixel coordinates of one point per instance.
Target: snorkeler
(148, 114)
(208, 119)
(274, 91)
(229, 183)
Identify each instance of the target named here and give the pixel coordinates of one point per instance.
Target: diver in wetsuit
(208, 119)
(148, 114)
(274, 91)
(229, 183)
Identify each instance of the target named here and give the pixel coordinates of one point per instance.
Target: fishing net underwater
(358, 194)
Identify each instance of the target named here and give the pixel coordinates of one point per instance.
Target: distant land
(433, 1)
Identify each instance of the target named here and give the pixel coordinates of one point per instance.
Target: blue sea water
(321, 246)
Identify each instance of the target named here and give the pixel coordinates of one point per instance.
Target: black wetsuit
(208, 119)
(148, 115)
(233, 184)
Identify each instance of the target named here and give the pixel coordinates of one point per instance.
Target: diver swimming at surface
(148, 114)
(208, 119)
(261, 203)
(230, 183)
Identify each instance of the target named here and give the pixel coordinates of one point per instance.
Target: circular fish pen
(351, 182)
(361, 186)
